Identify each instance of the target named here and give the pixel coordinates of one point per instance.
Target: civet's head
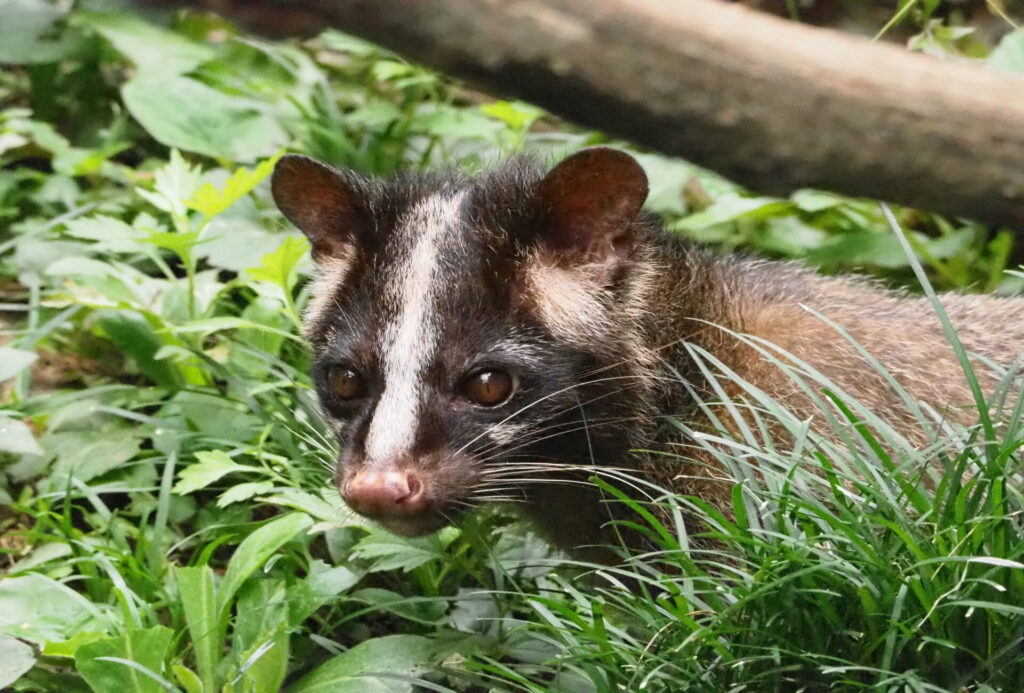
(472, 336)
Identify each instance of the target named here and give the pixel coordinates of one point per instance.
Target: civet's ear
(587, 206)
(322, 201)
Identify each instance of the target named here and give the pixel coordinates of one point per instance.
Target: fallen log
(771, 104)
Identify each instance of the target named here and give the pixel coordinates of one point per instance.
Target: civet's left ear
(586, 208)
(324, 202)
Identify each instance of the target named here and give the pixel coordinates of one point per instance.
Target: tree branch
(772, 104)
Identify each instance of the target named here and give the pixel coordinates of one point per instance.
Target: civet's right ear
(323, 202)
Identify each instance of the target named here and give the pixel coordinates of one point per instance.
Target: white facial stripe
(411, 340)
(330, 273)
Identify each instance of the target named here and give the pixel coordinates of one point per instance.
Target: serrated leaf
(279, 266)
(173, 183)
(211, 201)
(391, 552)
(212, 466)
(14, 361)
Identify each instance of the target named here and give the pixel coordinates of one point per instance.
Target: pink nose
(377, 493)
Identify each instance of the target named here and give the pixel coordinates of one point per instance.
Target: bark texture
(772, 104)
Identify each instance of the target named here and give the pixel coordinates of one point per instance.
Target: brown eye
(487, 388)
(345, 383)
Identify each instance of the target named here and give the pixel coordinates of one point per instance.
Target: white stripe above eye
(409, 342)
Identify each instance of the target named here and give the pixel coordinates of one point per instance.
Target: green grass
(167, 518)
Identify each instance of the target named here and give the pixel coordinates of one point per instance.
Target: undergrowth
(167, 518)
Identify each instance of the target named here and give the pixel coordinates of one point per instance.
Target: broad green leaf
(13, 361)
(279, 266)
(184, 113)
(26, 28)
(16, 658)
(1009, 54)
(151, 48)
(16, 437)
(211, 201)
(254, 551)
(146, 649)
(34, 607)
(382, 665)
(211, 466)
(85, 455)
(198, 598)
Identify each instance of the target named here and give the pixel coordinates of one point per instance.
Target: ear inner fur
(586, 207)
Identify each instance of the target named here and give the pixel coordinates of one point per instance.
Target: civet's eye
(345, 383)
(488, 388)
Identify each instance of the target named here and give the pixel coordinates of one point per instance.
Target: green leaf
(109, 234)
(188, 679)
(184, 113)
(254, 552)
(136, 338)
(211, 466)
(1009, 54)
(260, 638)
(392, 552)
(732, 207)
(34, 607)
(241, 492)
(381, 665)
(13, 361)
(145, 648)
(16, 437)
(68, 648)
(25, 30)
(279, 266)
(211, 201)
(418, 609)
(151, 48)
(173, 183)
(198, 597)
(16, 658)
(323, 583)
